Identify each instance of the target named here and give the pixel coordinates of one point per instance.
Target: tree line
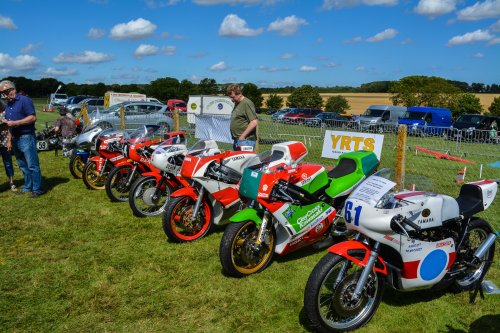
(408, 91)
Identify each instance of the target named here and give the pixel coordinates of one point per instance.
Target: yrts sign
(336, 143)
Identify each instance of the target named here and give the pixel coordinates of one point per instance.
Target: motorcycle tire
(327, 302)
(479, 229)
(91, 177)
(239, 254)
(146, 200)
(76, 166)
(116, 183)
(177, 223)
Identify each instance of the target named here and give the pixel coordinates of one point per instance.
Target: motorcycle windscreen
(249, 184)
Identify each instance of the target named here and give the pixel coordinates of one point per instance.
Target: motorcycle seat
(470, 200)
(346, 166)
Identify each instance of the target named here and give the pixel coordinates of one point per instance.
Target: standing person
(6, 147)
(243, 119)
(21, 118)
(65, 125)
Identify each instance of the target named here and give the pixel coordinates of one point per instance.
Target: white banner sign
(336, 143)
(213, 128)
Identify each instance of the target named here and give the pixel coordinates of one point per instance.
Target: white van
(381, 118)
(58, 99)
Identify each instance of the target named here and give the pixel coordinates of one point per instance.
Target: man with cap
(65, 124)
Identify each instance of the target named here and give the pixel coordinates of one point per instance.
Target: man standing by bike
(244, 119)
(21, 118)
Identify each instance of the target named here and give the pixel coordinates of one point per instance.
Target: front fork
(366, 271)
(261, 237)
(131, 177)
(103, 168)
(197, 205)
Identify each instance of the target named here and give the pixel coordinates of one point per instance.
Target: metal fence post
(122, 117)
(176, 120)
(400, 157)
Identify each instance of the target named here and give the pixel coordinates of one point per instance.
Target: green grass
(72, 261)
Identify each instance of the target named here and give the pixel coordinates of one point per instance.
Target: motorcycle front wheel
(479, 229)
(116, 183)
(76, 166)
(328, 299)
(178, 224)
(145, 199)
(239, 253)
(92, 178)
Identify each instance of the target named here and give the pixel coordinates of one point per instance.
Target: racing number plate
(42, 145)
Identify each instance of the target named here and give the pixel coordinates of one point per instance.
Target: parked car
(178, 104)
(474, 127)
(328, 119)
(72, 101)
(91, 103)
(58, 99)
(136, 115)
(278, 115)
(381, 118)
(426, 120)
(298, 115)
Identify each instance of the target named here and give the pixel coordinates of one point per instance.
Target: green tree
(423, 91)
(187, 88)
(252, 92)
(337, 104)
(305, 96)
(274, 102)
(163, 89)
(495, 107)
(466, 104)
(377, 86)
(208, 87)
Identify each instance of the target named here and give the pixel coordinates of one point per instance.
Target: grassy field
(72, 261)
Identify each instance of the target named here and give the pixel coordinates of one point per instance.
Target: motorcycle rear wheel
(177, 223)
(146, 200)
(478, 231)
(92, 178)
(76, 166)
(116, 183)
(327, 302)
(238, 252)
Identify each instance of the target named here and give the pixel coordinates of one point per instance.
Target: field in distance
(359, 102)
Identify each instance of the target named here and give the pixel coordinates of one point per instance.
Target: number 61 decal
(349, 213)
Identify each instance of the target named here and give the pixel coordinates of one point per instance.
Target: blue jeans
(7, 161)
(24, 147)
(237, 144)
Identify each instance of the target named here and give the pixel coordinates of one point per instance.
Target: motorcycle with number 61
(409, 240)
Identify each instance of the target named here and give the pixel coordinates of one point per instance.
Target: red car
(298, 115)
(177, 104)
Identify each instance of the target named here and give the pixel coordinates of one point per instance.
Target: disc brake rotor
(342, 300)
(149, 197)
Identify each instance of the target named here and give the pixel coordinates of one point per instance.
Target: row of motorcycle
(274, 203)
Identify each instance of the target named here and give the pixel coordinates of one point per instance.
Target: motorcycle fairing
(188, 191)
(344, 249)
(99, 162)
(84, 155)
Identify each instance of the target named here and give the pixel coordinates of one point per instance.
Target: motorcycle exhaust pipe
(485, 245)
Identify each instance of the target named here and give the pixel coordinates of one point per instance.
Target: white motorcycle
(410, 240)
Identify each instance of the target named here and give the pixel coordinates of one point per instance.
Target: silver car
(136, 114)
(92, 105)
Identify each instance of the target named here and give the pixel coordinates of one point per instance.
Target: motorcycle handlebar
(403, 220)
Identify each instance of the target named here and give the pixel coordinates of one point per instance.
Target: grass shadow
(52, 182)
(393, 297)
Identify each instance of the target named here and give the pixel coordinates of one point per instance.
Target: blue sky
(271, 43)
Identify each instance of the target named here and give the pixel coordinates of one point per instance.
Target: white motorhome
(202, 104)
(112, 98)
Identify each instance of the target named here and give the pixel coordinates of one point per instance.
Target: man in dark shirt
(20, 118)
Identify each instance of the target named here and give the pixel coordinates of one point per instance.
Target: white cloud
(354, 40)
(96, 33)
(137, 29)
(234, 26)
(231, 2)
(386, 34)
(287, 56)
(306, 68)
(495, 27)
(146, 50)
(330, 65)
(360, 69)
(494, 41)
(87, 57)
(287, 26)
(219, 67)
(480, 10)
(21, 62)
(169, 50)
(31, 47)
(470, 37)
(7, 23)
(434, 8)
(330, 4)
(54, 72)
(160, 4)
(272, 69)
(478, 55)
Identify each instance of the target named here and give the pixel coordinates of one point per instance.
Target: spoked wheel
(76, 166)
(328, 298)
(92, 178)
(239, 253)
(145, 199)
(178, 224)
(118, 183)
(474, 272)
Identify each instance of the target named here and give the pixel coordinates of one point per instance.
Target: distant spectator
(6, 147)
(244, 119)
(64, 124)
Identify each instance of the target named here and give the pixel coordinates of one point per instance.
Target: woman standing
(6, 147)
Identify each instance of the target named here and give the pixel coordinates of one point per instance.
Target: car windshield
(373, 113)
(474, 119)
(413, 115)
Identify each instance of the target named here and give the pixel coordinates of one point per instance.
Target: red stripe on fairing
(407, 195)
(482, 182)
(410, 269)
(451, 260)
